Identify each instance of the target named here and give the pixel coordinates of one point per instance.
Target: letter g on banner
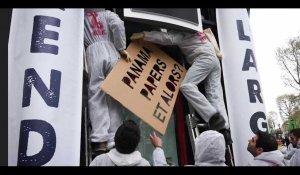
(254, 122)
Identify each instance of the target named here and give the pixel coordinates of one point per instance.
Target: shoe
(202, 127)
(98, 148)
(227, 136)
(216, 122)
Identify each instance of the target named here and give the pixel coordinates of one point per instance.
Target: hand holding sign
(136, 36)
(126, 55)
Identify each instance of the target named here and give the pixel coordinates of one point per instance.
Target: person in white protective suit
(263, 147)
(104, 40)
(125, 154)
(295, 140)
(281, 145)
(210, 149)
(205, 66)
(289, 154)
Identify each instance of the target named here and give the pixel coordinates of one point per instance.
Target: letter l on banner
(246, 110)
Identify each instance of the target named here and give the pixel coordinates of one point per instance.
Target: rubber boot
(216, 122)
(227, 136)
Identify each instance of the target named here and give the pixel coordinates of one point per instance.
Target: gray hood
(210, 148)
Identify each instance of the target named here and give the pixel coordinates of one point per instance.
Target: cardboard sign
(147, 86)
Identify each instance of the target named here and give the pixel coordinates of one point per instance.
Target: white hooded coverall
(210, 149)
(115, 158)
(205, 66)
(104, 36)
(295, 160)
(271, 158)
(289, 154)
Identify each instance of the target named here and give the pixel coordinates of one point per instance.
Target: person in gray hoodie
(263, 147)
(126, 140)
(205, 66)
(210, 149)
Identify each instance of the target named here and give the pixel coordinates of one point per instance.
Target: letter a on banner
(246, 110)
(45, 63)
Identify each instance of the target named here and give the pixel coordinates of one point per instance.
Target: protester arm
(159, 158)
(117, 27)
(164, 38)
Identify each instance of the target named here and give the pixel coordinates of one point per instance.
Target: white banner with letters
(246, 109)
(45, 64)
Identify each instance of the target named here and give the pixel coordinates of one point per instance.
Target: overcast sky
(271, 28)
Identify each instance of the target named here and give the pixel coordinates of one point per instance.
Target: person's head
(295, 136)
(261, 142)
(210, 148)
(127, 137)
(280, 141)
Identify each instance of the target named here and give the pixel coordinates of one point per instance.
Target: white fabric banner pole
(45, 63)
(246, 109)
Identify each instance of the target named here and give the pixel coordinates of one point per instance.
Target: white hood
(125, 159)
(272, 157)
(210, 149)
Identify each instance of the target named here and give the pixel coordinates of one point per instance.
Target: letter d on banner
(49, 143)
(246, 110)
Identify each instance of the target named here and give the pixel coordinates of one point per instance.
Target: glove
(136, 36)
(125, 54)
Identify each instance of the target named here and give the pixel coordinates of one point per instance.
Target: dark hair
(282, 140)
(127, 137)
(296, 132)
(266, 141)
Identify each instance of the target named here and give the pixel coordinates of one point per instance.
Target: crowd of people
(115, 140)
(209, 149)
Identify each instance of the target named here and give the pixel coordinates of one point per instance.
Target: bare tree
(272, 117)
(287, 104)
(285, 126)
(289, 61)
